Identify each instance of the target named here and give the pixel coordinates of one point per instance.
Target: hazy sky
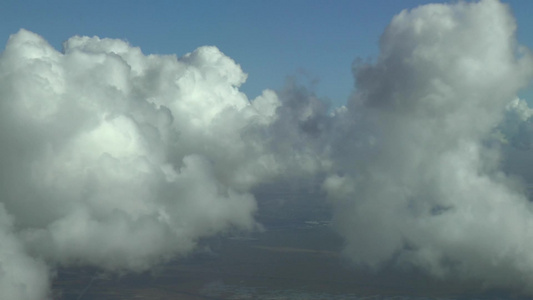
(314, 40)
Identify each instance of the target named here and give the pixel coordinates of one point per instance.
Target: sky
(126, 140)
(314, 41)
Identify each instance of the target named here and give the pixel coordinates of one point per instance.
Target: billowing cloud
(516, 129)
(21, 276)
(120, 160)
(425, 189)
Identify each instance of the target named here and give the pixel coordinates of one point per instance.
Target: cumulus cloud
(121, 160)
(21, 276)
(424, 189)
(516, 129)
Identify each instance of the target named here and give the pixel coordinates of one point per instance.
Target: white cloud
(121, 160)
(21, 276)
(427, 192)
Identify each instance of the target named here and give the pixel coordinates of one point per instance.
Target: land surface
(295, 262)
(297, 256)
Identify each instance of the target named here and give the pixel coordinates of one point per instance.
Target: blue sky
(316, 41)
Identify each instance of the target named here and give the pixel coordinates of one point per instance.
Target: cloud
(22, 276)
(516, 128)
(425, 190)
(121, 160)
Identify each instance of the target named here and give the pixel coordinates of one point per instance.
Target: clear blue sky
(314, 40)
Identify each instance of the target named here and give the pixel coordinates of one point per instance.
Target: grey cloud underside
(121, 160)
